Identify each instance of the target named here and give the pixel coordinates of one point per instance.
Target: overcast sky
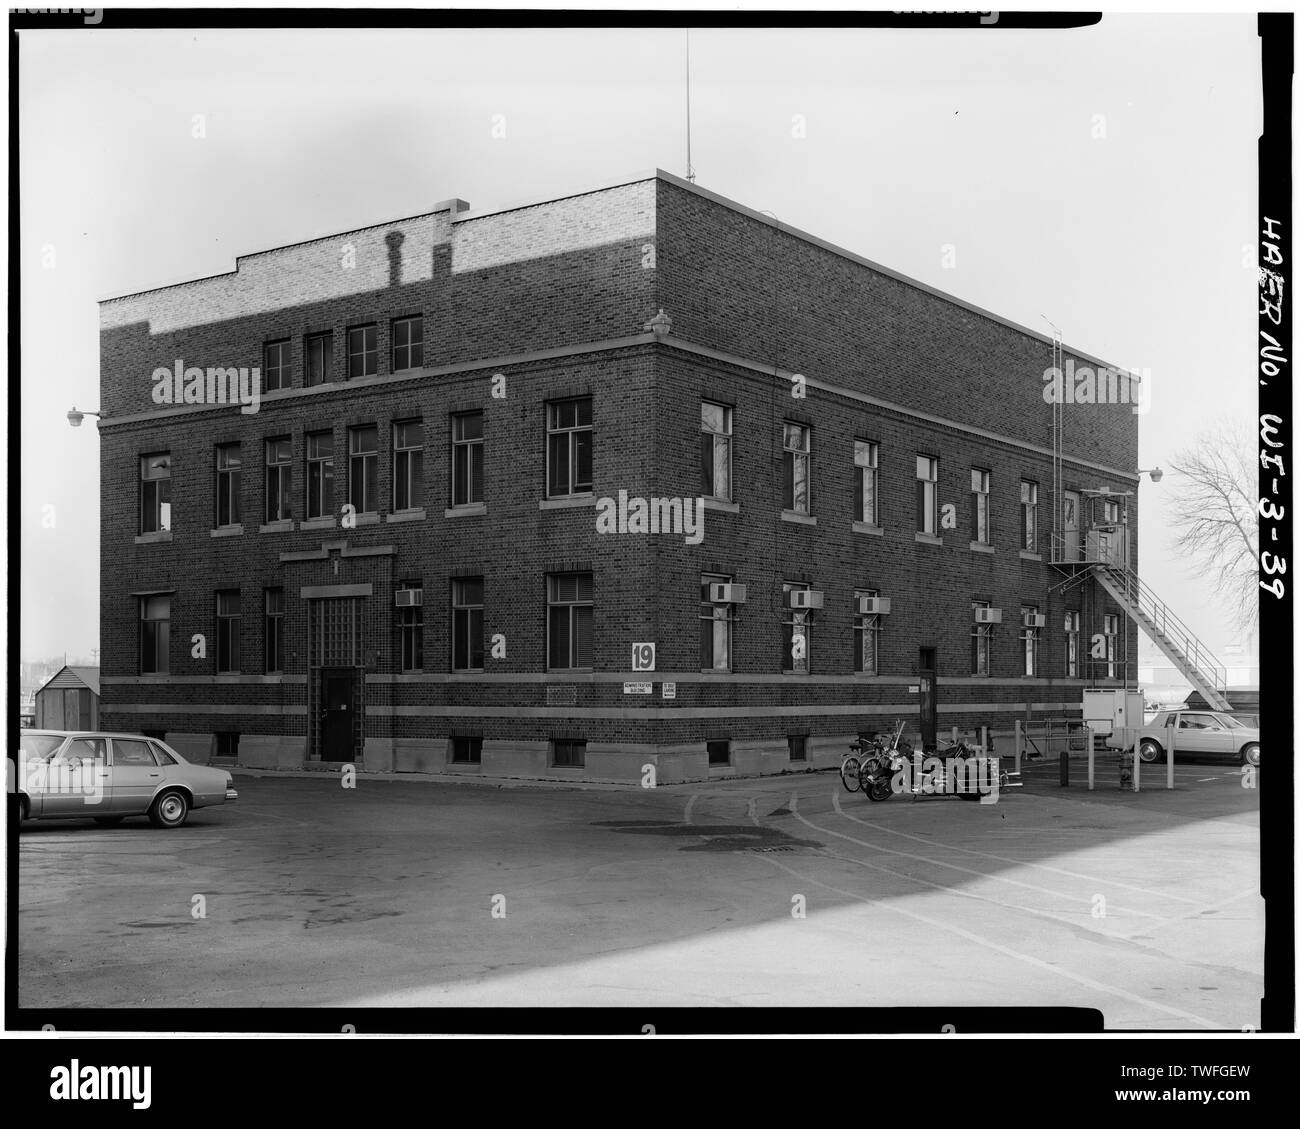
(1135, 237)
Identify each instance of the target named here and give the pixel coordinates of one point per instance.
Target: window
(1071, 644)
(279, 479)
(90, 749)
(277, 365)
(467, 624)
(1029, 639)
(228, 484)
(568, 447)
(866, 637)
(927, 495)
(161, 755)
(719, 752)
(467, 459)
(715, 450)
(979, 506)
(1029, 516)
(796, 632)
(410, 628)
(1110, 629)
(408, 465)
(156, 493)
(155, 622)
(568, 753)
(866, 472)
(798, 747)
(319, 348)
(980, 636)
(273, 642)
(228, 619)
(466, 750)
(1110, 513)
(363, 469)
(126, 752)
(320, 474)
(568, 620)
(715, 626)
(227, 746)
(408, 343)
(797, 464)
(363, 351)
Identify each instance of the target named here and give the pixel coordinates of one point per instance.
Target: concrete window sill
(573, 502)
(980, 547)
(797, 518)
(477, 509)
(871, 530)
(406, 515)
(153, 538)
(365, 519)
(227, 531)
(1026, 555)
(721, 506)
(928, 539)
(284, 526)
(319, 523)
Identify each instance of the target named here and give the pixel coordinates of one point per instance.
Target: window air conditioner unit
(988, 615)
(409, 598)
(726, 593)
(873, 605)
(802, 599)
(1035, 621)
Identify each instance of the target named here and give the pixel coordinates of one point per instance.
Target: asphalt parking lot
(776, 891)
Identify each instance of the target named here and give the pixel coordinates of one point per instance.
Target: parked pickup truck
(1201, 732)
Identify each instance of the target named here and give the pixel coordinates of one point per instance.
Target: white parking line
(690, 803)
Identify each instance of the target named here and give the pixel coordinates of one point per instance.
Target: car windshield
(39, 745)
(1229, 721)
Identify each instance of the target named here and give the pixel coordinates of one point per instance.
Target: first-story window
(796, 459)
(408, 465)
(467, 623)
(363, 469)
(1110, 629)
(866, 637)
(1029, 638)
(715, 625)
(466, 750)
(569, 597)
(156, 493)
(228, 620)
(568, 447)
(410, 625)
(866, 472)
(228, 484)
(796, 632)
(568, 753)
(279, 479)
(927, 495)
(981, 635)
(320, 474)
(466, 458)
(1071, 644)
(155, 624)
(273, 644)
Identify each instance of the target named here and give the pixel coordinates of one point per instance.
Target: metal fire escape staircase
(1193, 659)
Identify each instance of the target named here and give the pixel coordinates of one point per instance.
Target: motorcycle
(941, 772)
(886, 759)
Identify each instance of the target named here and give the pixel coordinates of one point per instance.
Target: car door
(136, 776)
(78, 779)
(1195, 733)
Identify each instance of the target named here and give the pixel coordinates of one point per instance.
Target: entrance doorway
(926, 677)
(338, 687)
(1070, 525)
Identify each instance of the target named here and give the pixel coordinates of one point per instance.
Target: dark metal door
(928, 704)
(336, 698)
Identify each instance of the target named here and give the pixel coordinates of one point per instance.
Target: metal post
(1092, 756)
(1019, 744)
(954, 735)
(1169, 763)
(1063, 763)
(1137, 771)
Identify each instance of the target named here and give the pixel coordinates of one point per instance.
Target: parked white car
(1202, 732)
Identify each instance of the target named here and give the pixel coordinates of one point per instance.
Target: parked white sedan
(109, 776)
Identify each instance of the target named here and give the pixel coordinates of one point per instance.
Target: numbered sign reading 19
(643, 656)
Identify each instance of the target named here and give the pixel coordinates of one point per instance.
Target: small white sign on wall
(670, 689)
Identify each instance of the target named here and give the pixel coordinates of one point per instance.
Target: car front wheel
(169, 809)
(1250, 754)
(1150, 752)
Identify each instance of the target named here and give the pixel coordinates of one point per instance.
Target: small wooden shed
(69, 700)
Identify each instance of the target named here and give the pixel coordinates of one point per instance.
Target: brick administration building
(396, 560)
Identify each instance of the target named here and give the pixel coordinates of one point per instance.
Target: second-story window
(320, 474)
(277, 365)
(569, 600)
(715, 450)
(866, 637)
(408, 465)
(408, 343)
(979, 506)
(228, 484)
(1029, 516)
(155, 626)
(319, 350)
(467, 623)
(363, 469)
(1071, 644)
(1110, 630)
(797, 467)
(981, 635)
(156, 493)
(279, 479)
(568, 447)
(715, 625)
(466, 458)
(410, 624)
(866, 471)
(363, 351)
(796, 632)
(927, 495)
(273, 634)
(1029, 638)
(228, 620)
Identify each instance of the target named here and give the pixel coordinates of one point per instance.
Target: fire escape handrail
(1167, 623)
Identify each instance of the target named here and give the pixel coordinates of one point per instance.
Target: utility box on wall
(1108, 710)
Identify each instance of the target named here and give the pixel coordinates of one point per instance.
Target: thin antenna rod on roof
(690, 170)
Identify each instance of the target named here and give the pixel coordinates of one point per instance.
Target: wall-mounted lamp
(1155, 472)
(75, 417)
